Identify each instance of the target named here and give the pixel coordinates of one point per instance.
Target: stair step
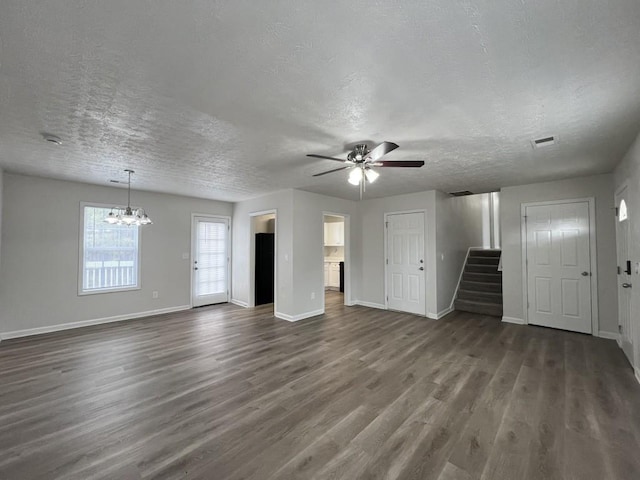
(480, 268)
(481, 286)
(495, 277)
(483, 261)
(485, 297)
(485, 253)
(479, 307)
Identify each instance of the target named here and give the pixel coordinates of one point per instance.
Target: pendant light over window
(127, 215)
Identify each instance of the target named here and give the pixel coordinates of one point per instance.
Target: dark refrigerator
(264, 267)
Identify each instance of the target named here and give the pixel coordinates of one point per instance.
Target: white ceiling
(223, 99)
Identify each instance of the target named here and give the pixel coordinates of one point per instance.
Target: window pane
(110, 253)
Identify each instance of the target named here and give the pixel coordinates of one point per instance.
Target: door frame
(595, 323)
(229, 245)
(386, 254)
(348, 301)
(252, 258)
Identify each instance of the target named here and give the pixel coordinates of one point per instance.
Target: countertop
(333, 259)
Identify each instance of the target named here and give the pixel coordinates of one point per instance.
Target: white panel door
(405, 263)
(624, 275)
(559, 266)
(210, 254)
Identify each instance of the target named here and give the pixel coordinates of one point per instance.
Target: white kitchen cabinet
(326, 274)
(334, 275)
(334, 234)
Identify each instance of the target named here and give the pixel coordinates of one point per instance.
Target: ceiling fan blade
(331, 171)
(380, 151)
(398, 163)
(326, 158)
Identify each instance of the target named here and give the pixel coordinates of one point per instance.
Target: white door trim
(229, 253)
(386, 255)
(347, 257)
(592, 256)
(251, 301)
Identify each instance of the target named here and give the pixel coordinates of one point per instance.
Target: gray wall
(372, 251)
(601, 188)
(299, 249)
(308, 248)
(628, 173)
(242, 262)
(1, 189)
(40, 253)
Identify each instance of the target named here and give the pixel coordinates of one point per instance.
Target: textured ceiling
(223, 99)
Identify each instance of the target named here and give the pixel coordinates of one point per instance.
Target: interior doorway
(335, 253)
(559, 265)
(263, 259)
(404, 265)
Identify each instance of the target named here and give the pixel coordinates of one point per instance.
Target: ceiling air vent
(461, 193)
(544, 141)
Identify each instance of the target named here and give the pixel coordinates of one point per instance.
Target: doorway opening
(334, 245)
(263, 260)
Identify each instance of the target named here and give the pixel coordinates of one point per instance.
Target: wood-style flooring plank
(230, 393)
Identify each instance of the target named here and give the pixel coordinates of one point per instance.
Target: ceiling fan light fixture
(371, 175)
(355, 177)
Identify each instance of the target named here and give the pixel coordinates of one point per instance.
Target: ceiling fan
(361, 161)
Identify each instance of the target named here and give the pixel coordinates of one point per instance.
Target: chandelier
(127, 215)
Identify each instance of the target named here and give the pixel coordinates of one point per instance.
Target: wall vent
(544, 141)
(461, 193)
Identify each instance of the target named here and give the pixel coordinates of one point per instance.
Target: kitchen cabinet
(326, 274)
(334, 234)
(332, 275)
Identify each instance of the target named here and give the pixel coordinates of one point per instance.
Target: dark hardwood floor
(229, 393)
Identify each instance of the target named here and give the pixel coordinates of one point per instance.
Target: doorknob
(195, 268)
(626, 285)
(421, 268)
(585, 274)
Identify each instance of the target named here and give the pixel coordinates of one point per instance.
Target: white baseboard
(609, 336)
(362, 303)
(517, 321)
(296, 318)
(240, 303)
(86, 323)
(443, 313)
(637, 370)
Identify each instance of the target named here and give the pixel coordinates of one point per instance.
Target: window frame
(81, 229)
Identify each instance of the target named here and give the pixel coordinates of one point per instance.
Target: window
(109, 258)
(622, 213)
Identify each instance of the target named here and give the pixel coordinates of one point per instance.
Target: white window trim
(81, 292)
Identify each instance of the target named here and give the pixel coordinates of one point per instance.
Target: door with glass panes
(210, 260)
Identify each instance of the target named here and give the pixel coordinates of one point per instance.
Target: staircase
(480, 290)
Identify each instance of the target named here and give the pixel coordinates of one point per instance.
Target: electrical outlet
(155, 294)
(313, 295)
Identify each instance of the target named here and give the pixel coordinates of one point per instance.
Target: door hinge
(386, 224)
(616, 211)
(387, 260)
(619, 271)
(619, 328)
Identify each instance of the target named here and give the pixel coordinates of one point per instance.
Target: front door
(624, 275)
(405, 263)
(559, 266)
(210, 254)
